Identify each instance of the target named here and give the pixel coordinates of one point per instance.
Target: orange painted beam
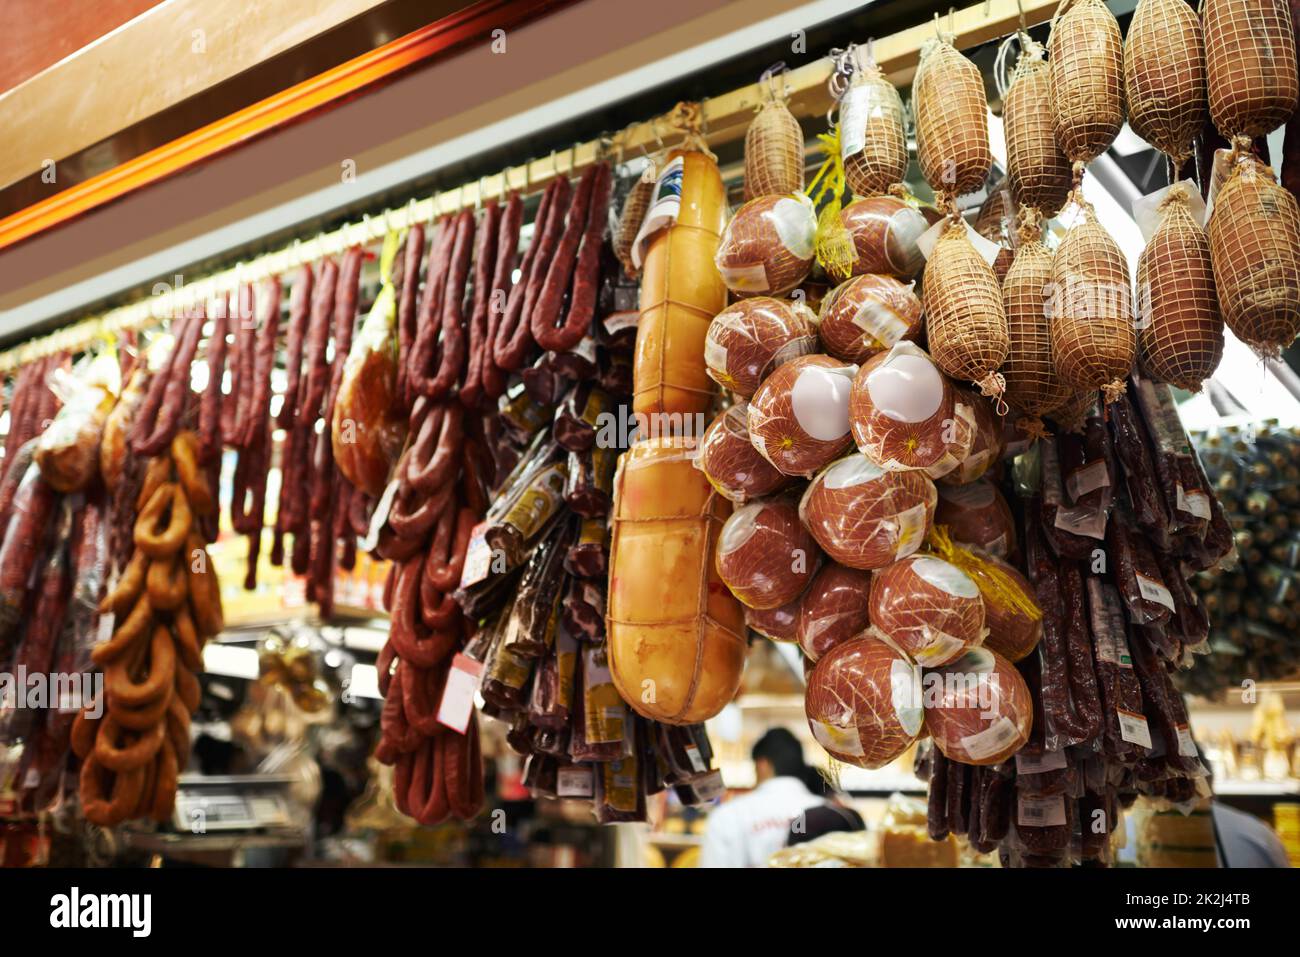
(325, 90)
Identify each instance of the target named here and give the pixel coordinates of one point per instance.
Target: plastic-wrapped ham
(987, 445)
(765, 556)
(799, 417)
(779, 624)
(977, 708)
(930, 609)
(863, 703)
(731, 463)
(868, 314)
(833, 610)
(906, 415)
(751, 338)
(767, 248)
(977, 514)
(865, 517)
(884, 230)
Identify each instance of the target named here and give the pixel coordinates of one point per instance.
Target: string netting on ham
(882, 161)
(1037, 171)
(1255, 248)
(952, 139)
(1086, 57)
(774, 155)
(1093, 339)
(965, 323)
(1180, 334)
(1033, 386)
(1164, 76)
(1250, 63)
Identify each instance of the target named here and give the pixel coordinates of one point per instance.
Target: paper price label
(457, 703)
(1041, 811)
(1041, 763)
(1134, 729)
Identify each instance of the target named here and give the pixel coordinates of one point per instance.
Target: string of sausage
(427, 317)
(586, 224)
(514, 335)
(160, 413)
(325, 480)
(445, 315)
(248, 502)
(493, 378)
(471, 392)
(299, 312)
(237, 413)
(407, 304)
(210, 410)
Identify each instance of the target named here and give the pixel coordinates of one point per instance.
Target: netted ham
(873, 134)
(977, 514)
(1033, 386)
(1037, 171)
(767, 248)
(799, 417)
(778, 624)
(1164, 76)
(1011, 613)
(884, 230)
(928, 608)
(748, 340)
(985, 446)
(952, 130)
(868, 314)
(730, 461)
(1250, 65)
(863, 703)
(1255, 248)
(1180, 331)
(773, 148)
(833, 610)
(905, 415)
(765, 555)
(865, 517)
(1086, 57)
(977, 708)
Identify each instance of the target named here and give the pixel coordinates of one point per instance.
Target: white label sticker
(1133, 728)
(696, 759)
(837, 740)
(854, 113)
(458, 692)
(574, 782)
(1041, 811)
(905, 694)
(1186, 745)
(478, 557)
(751, 278)
(878, 321)
(1155, 591)
(939, 649)
(1087, 479)
(796, 224)
(1040, 763)
(1089, 522)
(992, 740)
(910, 530)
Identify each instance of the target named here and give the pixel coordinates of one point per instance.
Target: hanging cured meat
(868, 314)
(977, 514)
(865, 517)
(748, 341)
(863, 703)
(767, 248)
(884, 230)
(765, 556)
(928, 608)
(978, 708)
(834, 609)
(799, 417)
(730, 461)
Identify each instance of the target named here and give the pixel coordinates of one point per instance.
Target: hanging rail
(724, 120)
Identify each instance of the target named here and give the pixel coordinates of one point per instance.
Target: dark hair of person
(783, 751)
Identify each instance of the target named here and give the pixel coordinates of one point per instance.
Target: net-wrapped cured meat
(977, 514)
(731, 463)
(905, 415)
(884, 230)
(747, 341)
(978, 708)
(799, 417)
(985, 446)
(863, 703)
(927, 607)
(765, 555)
(1250, 68)
(834, 609)
(868, 314)
(865, 517)
(965, 322)
(767, 248)
(952, 130)
(779, 624)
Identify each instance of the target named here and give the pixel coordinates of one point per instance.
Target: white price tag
(1134, 729)
(1041, 763)
(1041, 811)
(458, 693)
(574, 782)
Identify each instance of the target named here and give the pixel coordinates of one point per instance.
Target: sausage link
(471, 392)
(407, 303)
(514, 335)
(585, 225)
(492, 377)
(452, 323)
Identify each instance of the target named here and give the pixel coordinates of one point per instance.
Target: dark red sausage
(492, 377)
(471, 392)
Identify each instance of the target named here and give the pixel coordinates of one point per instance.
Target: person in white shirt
(747, 830)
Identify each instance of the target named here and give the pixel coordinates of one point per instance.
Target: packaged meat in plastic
(1073, 531)
(799, 417)
(905, 415)
(1146, 596)
(24, 536)
(1011, 613)
(676, 635)
(113, 448)
(986, 449)
(779, 624)
(731, 463)
(67, 452)
(620, 790)
(863, 703)
(977, 514)
(978, 708)
(765, 555)
(865, 517)
(1124, 726)
(833, 609)
(589, 486)
(578, 416)
(748, 340)
(588, 556)
(868, 314)
(582, 611)
(884, 230)
(601, 719)
(930, 609)
(767, 248)
(1171, 453)
(369, 425)
(1133, 451)
(1085, 464)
